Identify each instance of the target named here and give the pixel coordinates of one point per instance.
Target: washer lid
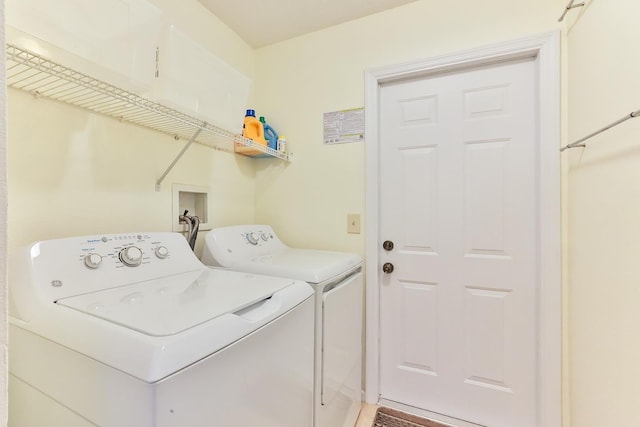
(176, 303)
(312, 266)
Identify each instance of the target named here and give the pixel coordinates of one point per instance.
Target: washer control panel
(65, 267)
(127, 250)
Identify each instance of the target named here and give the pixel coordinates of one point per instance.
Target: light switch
(353, 223)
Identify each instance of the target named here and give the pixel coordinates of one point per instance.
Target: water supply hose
(193, 224)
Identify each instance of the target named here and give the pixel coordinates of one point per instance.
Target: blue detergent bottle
(270, 134)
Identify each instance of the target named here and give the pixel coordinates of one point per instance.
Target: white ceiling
(263, 22)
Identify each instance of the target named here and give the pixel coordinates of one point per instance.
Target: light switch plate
(353, 223)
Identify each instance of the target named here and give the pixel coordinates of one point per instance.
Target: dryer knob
(131, 256)
(92, 260)
(264, 236)
(253, 238)
(162, 252)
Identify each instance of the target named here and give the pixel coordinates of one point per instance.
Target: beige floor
(367, 414)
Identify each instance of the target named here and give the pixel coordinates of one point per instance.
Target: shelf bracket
(184, 149)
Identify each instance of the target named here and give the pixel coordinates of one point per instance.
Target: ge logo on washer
(56, 283)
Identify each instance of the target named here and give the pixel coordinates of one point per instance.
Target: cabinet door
(114, 40)
(194, 80)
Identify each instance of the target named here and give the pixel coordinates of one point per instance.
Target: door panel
(458, 198)
(420, 171)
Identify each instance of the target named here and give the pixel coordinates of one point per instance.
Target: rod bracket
(579, 143)
(568, 8)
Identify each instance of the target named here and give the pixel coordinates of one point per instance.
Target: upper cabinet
(123, 58)
(113, 40)
(191, 78)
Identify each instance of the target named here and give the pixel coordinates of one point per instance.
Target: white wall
(300, 79)
(604, 212)
(3, 233)
(72, 172)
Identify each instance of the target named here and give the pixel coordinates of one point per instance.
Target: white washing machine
(338, 283)
(133, 330)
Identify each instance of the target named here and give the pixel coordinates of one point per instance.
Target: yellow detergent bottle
(253, 128)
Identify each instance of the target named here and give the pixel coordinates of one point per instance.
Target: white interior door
(458, 200)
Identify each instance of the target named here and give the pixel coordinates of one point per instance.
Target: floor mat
(387, 417)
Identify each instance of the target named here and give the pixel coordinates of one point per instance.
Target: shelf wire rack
(36, 74)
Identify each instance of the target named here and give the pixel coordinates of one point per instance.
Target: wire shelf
(31, 72)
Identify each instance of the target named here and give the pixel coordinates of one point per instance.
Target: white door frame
(545, 48)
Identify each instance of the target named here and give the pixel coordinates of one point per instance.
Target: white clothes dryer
(338, 282)
(133, 330)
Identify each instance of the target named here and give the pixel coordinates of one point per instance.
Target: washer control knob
(264, 236)
(253, 238)
(131, 256)
(162, 252)
(93, 260)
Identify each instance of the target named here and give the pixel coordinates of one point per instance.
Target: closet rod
(578, 143)
(569, 7)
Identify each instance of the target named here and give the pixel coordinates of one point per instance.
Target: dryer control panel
(226, 245)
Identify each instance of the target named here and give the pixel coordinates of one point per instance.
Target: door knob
(387, 267)
(387, 245)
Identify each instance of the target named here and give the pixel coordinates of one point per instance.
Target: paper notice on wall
(344, 126)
